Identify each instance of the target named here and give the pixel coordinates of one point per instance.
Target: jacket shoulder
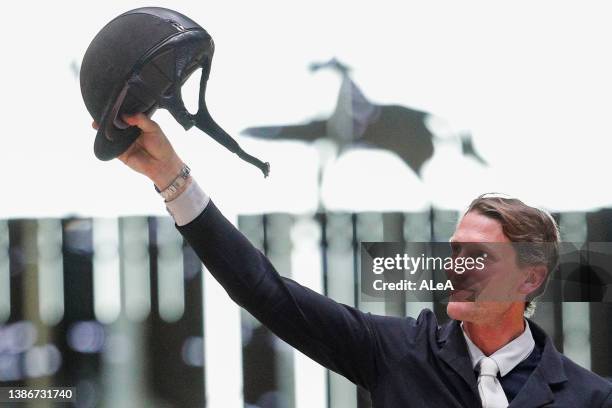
(584, 376)
(398, 336)
(583, 381)
(405, 329)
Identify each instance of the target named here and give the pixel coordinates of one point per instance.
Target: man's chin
(460, 310)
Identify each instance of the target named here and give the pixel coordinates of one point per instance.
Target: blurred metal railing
(116, 307)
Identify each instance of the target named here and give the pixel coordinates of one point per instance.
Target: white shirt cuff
(187, 206)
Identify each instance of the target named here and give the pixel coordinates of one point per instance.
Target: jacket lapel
(453, 351)
(537, 391)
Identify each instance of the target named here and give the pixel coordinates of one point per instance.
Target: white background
(529, 80)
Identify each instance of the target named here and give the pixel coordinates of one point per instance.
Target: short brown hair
(522, 223)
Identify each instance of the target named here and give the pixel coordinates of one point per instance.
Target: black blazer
(401, 361)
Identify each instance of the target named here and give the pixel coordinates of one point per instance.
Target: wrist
(179, 190)
(165, 174)
(177, 186)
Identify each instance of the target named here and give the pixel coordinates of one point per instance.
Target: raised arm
(337, 336)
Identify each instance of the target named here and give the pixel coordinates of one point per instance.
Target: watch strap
(177, 184)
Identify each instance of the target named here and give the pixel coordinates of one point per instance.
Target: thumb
(142, 121)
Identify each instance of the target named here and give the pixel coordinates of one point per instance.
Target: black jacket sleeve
(337, 336)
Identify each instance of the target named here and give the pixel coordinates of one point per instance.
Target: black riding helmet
(137, 63)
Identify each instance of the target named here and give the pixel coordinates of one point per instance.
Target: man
(488, 356)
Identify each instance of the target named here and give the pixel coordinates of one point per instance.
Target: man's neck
(490, 337)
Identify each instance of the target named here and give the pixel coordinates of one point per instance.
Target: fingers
(134, 147)
(142, 121)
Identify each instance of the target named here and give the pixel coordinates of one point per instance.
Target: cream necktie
(490, 390)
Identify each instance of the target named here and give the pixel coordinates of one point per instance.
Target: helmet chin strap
(173, 102)
(205, 122)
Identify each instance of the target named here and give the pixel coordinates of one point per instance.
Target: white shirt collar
(508, 356)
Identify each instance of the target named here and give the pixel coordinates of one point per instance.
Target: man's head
(521, 244)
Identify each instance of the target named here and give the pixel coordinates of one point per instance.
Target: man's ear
(534, 278)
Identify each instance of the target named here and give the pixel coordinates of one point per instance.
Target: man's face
(483, 296)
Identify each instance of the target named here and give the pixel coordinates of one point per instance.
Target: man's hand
(151, 154)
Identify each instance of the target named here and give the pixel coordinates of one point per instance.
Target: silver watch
(180, 180)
